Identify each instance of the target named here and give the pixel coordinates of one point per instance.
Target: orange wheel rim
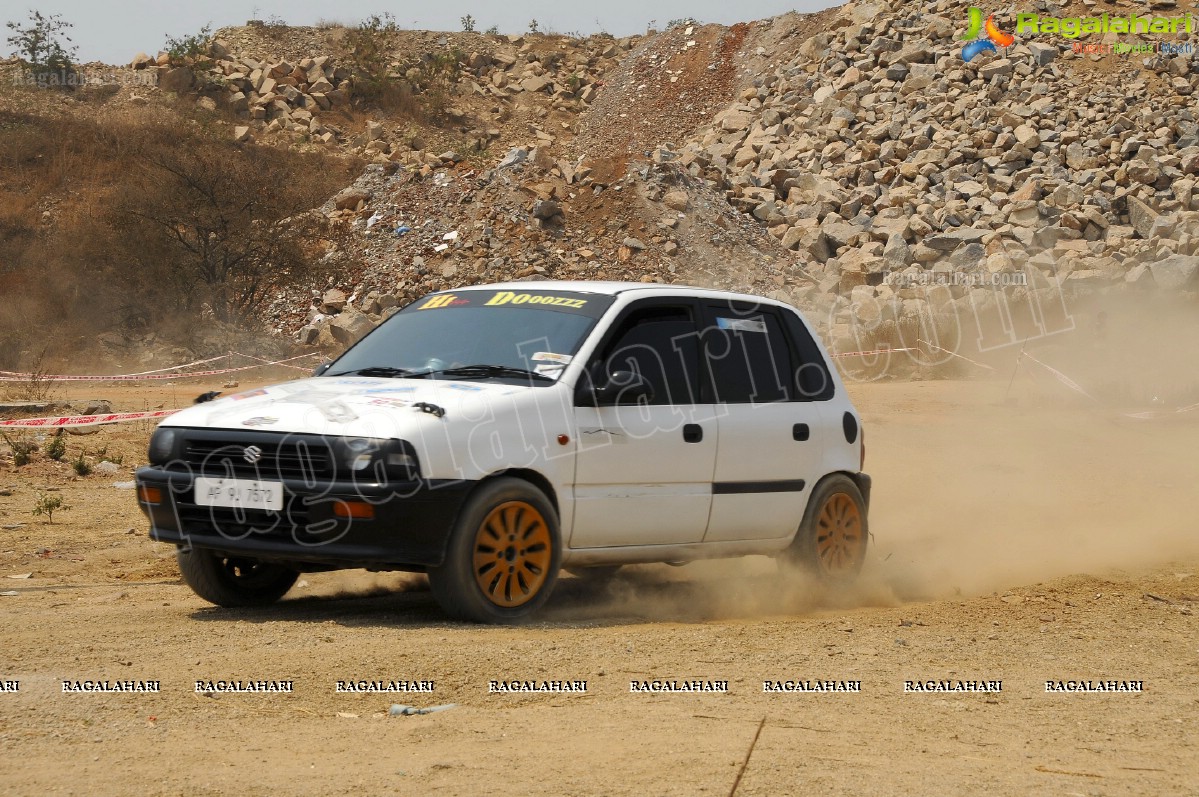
(839, 537)
(512, 554)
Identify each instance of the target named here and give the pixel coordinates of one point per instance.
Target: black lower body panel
(410, 528)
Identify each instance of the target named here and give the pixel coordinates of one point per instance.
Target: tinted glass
(811, 374)
(747, 355)
(660, 344)
(537, 330)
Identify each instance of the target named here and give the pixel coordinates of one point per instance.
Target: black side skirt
(779, 486)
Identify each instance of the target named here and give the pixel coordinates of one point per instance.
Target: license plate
(239, 493)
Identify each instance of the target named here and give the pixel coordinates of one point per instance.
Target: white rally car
(492, 435)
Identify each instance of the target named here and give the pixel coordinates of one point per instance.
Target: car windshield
(525, 336)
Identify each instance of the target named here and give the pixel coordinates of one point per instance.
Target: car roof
(613, 288)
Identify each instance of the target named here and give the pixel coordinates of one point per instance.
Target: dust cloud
(1024, 477)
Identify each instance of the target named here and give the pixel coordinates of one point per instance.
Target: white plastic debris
(398, 710)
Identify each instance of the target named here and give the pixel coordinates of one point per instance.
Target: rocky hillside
(870, 153)
(849, 161)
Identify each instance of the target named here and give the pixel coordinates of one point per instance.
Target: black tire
(595, 574)
(503, 555)
(832, 538)
(234, 581)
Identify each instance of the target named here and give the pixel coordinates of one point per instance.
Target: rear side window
(747, 355)
(812, 379)
(659, 343)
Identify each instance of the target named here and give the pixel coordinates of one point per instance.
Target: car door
(771, 434)
(643, 471)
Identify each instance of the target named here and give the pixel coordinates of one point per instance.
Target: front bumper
(410, 528)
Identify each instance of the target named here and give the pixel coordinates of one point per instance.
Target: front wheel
(831, 541)
(503, 555)
(234, 581)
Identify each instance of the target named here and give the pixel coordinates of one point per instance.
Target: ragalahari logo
(982, 36)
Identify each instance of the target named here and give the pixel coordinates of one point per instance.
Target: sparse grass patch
(49, 504)
(22, 447)
(56, 446)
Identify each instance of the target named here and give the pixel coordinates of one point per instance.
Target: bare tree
(222, 226)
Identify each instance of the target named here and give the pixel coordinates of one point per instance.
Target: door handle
(800, 432)
(692, 433)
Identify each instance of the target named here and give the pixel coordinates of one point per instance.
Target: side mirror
(320, 369)
(624, 387)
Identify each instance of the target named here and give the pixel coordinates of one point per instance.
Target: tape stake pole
(1015, 369)
(954, 354)
(1065, 380)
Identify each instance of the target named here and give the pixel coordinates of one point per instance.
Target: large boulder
(351, 198)
(333, 302)
(1142, 216)
(349, 326)
(1176, 272)
(177, 80)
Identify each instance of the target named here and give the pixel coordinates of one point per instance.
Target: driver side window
(659, 343)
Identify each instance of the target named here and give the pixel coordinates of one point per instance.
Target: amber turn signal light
(354, 509)
(149, 495)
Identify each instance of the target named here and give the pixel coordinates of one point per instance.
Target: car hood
(354, 406)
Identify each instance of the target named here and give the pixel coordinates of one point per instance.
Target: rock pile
(867, 160)
(278, 95)
(876, 149)
(274, 95)
(414, 231)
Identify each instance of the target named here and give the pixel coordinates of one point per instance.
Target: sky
(114, 32)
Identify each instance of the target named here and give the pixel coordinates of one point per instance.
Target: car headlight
(380, 460)
(401, 462)
(360, 453)
(162, 445)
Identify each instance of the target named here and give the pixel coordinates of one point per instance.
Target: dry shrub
(131, 227)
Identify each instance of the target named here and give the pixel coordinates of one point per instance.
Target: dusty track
(1026, 541)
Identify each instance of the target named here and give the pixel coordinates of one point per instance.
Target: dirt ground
(1018, 536)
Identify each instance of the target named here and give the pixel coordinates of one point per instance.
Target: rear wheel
(503, 555)
(233, 581)
(831, 541)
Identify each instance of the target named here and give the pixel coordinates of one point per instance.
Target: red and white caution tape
(192, 364)
(1149, 415)
(283, 363)
(955, 354)
(1144, 415)
(867, 353)
(150, 375)
(1065, 380)
(84, 420)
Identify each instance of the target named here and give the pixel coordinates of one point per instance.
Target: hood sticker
(261, 420)
(384, 401)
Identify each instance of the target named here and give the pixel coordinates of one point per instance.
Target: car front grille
(306, 457)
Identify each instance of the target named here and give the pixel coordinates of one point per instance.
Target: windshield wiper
(381, 370)
(484, 371)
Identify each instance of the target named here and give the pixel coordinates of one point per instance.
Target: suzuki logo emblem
(252, 454)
